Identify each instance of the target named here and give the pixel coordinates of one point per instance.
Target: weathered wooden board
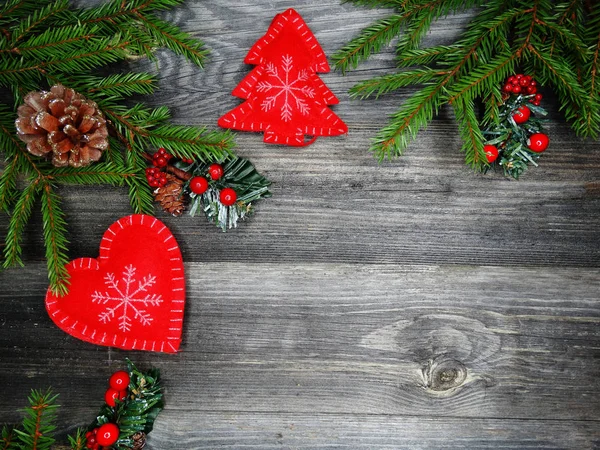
(454, 342)
(410, 305)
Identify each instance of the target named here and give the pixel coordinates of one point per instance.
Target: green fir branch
(171, 37)
(45, 45)
(188, 141)
(371, 40)
(426, 56)
(470, 133)
(79, 441)
(8, 183)
(404, 125)
(502, 37)
(588, 123)
(101, 173)
(55, 10)
(8, 438)
(388, 83)
(39, 422)
(122, 85)
(19, 218)
(140, 197)
(55, 231)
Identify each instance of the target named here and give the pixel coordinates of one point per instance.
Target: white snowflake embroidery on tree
(127, 297)
(287, 88)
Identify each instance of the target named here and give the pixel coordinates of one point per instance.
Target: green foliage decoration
(48, 42)
(241, 176)
(558, 42)
(134, 416)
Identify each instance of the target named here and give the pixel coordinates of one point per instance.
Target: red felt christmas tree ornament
(284, 96)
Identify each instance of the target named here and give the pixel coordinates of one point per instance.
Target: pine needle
(502, 37)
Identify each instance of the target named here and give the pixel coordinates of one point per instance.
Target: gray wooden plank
(426, 341)
(331, 431)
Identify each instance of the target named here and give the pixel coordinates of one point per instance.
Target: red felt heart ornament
(131, 297)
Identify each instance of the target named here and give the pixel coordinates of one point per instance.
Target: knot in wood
(444, 374)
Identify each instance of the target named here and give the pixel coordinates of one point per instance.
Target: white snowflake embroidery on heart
(286, 87)
(127, 297)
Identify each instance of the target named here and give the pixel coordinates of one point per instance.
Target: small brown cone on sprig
(63, 125)
(170, 195)
(139, 440)
(518, 138)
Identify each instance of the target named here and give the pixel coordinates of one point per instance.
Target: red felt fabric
(132, 296)
(284, 96)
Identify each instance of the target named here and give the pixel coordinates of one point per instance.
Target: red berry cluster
(523, 84)
(102, 437)
(108, 433)
(161, 158)
(199, 185)
(156, 177)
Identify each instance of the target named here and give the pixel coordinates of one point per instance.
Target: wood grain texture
(408, 305)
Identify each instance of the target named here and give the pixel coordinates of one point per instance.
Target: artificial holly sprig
(132, 403)
(225, 191)
(517, 138)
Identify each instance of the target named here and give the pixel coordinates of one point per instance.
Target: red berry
(162, 182)
(538, 97)
(162, 151)
(536, 103)
(228, 196)
(119, 380)
(522, 114)
(198, 185)
(161, 161)
(153, 183)
(91, 440)
(112, 394)
(215, 171)
(519, 76)
(107, 434)
(89, 434)
(507, 87)
(531, 89)
(533, 83)
(538, 142)
(524, 82)
(516, 89)
(511, 79)
(96, 446)
(491, 152)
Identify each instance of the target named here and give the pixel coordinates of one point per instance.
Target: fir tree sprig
(557, 42)
(38, 424)
(44, 43)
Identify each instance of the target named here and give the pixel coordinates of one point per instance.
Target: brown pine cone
(64, 124)
(139, 440)
(170, 196)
